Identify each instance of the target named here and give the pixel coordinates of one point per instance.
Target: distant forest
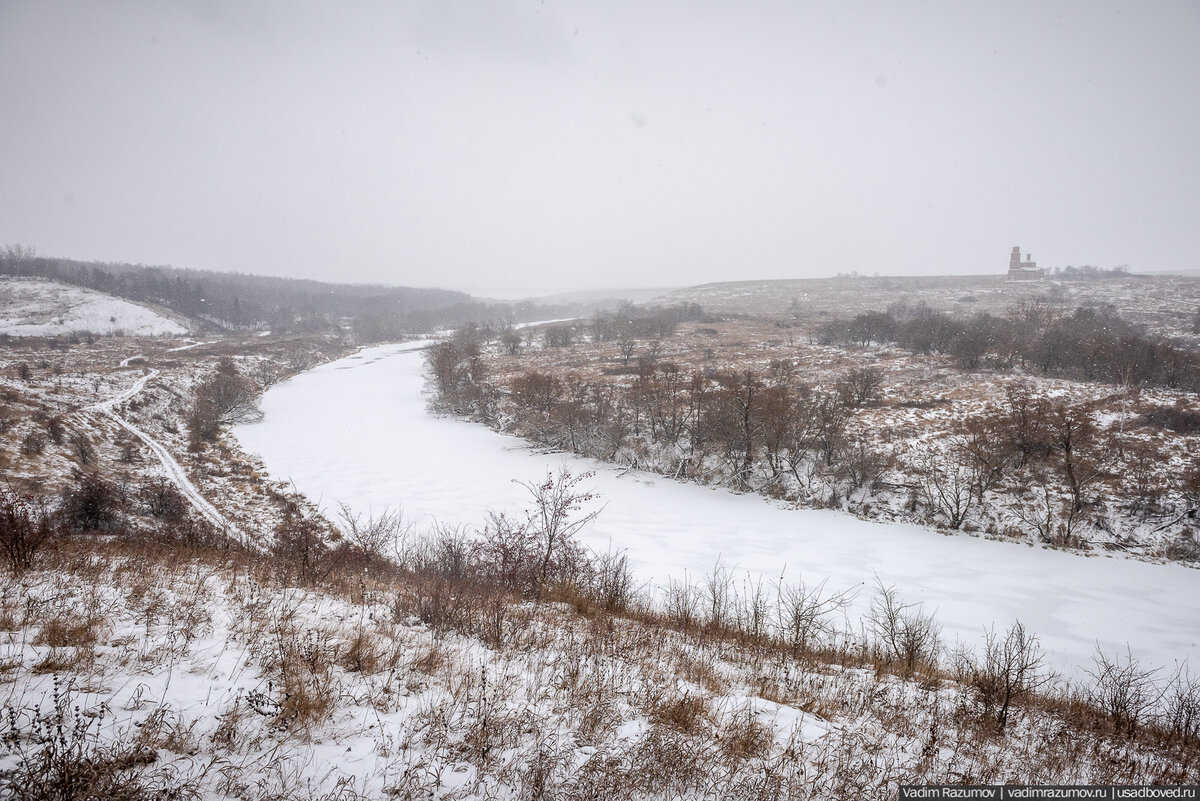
(240, 302)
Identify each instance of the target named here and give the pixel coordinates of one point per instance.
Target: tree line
(235, 301)
(1045, 465)
(1092, 343)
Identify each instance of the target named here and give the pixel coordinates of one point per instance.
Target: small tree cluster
(225, 398)
(457, 367)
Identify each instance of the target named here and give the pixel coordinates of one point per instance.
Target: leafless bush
(93, 504)
(302, 546)
(681, 604)
(225, 398)
(1182, 705)
(864, 466)
(718, 598)
(1123, 689)
(1009, 672)
(33, 443)
(83, 449)
(612, 584)
(507, 553)
(902, 632)
(805, 614)
(553, 524)
(752, 610)
(25, 527)
(55, 430)
(373, 535)
(163, 500)
(860, 386)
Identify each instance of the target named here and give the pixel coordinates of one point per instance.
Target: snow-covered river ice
(357, 431)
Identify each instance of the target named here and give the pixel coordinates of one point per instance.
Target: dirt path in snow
(174, 470)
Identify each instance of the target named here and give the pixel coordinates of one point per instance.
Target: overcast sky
(550, 145)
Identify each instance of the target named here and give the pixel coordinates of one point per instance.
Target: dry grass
(566, 705)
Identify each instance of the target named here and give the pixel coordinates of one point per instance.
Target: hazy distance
(555, 145)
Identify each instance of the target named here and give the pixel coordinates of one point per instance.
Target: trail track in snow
(174, 471)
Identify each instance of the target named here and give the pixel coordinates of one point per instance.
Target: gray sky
(550, 145)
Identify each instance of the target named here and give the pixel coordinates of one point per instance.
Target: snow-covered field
(43, 308)
(356, 430)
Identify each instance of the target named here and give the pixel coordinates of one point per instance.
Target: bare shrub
(612, 584)
(225, 398)
(507, 552)
(301, 544)
(948, 489)
(93, 504)
(1009, 672)
(902, 632)
(681, 604)
(556, 500)
(805, 613)
(83, 449)
(717, 588)
(33, 443)
(864, 466)
(162, 499)
(861, 386)
(373, 534)
(25, 527)
(55, 430)
(1123, 690)
(1182, 705)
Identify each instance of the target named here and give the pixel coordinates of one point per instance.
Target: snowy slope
(44, 308)
(356, 430)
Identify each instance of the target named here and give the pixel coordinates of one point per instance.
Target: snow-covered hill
(45, 308)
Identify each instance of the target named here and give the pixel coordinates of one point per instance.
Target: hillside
(30, 307)
(1165, 304)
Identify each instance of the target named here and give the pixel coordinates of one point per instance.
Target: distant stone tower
(1026, 270)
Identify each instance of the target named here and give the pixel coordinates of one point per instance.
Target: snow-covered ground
(356, 430)
(44, 308)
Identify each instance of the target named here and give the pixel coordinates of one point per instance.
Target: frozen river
(357, 431)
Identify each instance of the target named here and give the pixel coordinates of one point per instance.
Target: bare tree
(1074, 438)
(1182, 705)
(556, 500)
(511, 340)
(949, 489)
